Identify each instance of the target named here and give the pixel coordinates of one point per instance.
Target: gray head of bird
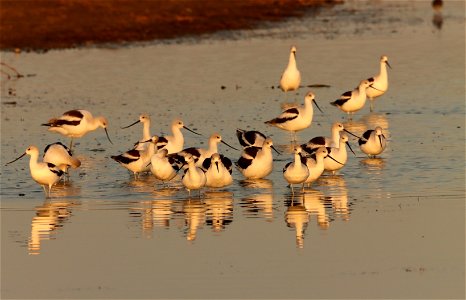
(298, 149)
(217, 138)
(379, 133)
(338, 126)
(177, 123)
(321, 152)
(216, 159)
(103, 122)
(31, 150)
(384, 60)
(310, 97)
(268, 143)
(344, 139)
(143, 118)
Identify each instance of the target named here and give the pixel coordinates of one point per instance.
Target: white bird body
(194, 178)
(256, 162)
(59, 155)
(296, 172)
(338, 154)
(373, 142)
(296, 118)
(145, 120)
(77, 123)
(45, 174)
(174, 143)
(316, 165)
(164, 168)
(379, 82)
(218, 171)
(354, 100)
(200, 154)
(137, 161)
(322, 141)
(291, 77)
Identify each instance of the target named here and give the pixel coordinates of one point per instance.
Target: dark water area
(389, 227)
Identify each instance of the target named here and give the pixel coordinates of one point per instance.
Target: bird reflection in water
(194, 215)
(50, 216)
(437, 18)
(373, 165)
(259, 204)
(219, 205)
(313, 201)
(368, 121)
(296, 216)
(336, 199)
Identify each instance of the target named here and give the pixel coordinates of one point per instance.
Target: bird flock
(167, 159)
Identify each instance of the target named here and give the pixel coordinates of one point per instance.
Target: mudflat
(39, 25)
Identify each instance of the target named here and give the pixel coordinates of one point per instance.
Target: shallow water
(391, 227)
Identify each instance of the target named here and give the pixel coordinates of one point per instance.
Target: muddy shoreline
(51, 24)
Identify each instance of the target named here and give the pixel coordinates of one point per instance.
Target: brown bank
(45, 24)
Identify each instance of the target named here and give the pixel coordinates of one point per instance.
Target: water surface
(391, 227)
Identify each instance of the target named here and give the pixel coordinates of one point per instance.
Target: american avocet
(76, 123)
(174, 143)
(296, 172)
(137, 161)
(338, 155)
(194, 178)
(250, 138)
(145, 120)
(163, 167)
(291, 77)
(257, 162)
(217, 171)
(315, 164)
(296, 118)
(373, 142)
(200, 154)
(322, 141)
(61, 156)
(45, 174)
(354, 100)
(379, 82)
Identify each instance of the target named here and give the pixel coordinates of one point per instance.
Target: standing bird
(291, 77)
(145, 120)
(257, 162)
(372, 142)
(217, 171)
(194, 178)
(296, 118)
(174, 143)
(250, 138)
(315, 164)
(321, 141)
(338, 156)
(163, 167)
(379, 82)
(137, 161)
(45, 174)
(296, 172)
(354, 100)
(61, 156)
(76, 123)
